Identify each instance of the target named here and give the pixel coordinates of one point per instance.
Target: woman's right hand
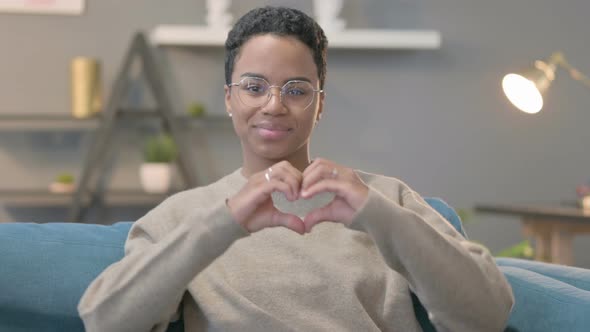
(252, 206)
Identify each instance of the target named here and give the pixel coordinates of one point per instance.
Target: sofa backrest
(47, 267)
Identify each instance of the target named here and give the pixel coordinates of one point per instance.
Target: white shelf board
(20, 198)
(191, 35)
(13, 122)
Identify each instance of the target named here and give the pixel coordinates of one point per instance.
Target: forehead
(276, 58)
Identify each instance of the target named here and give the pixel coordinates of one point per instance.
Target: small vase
(326, 13)
(61, 188)
(156, 178)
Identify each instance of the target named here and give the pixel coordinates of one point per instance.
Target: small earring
(230, 115)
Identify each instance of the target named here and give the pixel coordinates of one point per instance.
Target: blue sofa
(45, 269)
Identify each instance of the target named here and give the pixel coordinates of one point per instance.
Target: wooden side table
(552, 228)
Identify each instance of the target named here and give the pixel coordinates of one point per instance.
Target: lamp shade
(525, 90)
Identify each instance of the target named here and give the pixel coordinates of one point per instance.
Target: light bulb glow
(523, 93)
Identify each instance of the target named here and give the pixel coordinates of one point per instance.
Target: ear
(321, 106)
(227, 98)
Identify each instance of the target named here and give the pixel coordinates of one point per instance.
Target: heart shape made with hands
(301, 207)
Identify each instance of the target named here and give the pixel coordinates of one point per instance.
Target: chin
(273, 154)
(275, 151)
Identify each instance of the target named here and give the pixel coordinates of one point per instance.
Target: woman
(251, 252)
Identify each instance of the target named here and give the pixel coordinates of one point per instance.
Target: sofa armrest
(47, 267)
(546, 304)
(575, 276)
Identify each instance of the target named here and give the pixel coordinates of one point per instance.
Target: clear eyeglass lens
(297, 95)
(254, 92)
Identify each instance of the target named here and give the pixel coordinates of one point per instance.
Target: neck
(253, 164)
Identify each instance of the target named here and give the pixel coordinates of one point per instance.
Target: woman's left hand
(350, 192)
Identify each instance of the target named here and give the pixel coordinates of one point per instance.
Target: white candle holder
(217, 14)
(326, 13)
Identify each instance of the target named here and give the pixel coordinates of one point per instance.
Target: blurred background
(437, 118)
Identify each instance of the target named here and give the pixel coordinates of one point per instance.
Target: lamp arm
(574, 73)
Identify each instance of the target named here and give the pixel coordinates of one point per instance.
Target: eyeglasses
(295, 95)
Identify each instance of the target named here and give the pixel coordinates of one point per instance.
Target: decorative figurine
(217, 15)
(326, 12)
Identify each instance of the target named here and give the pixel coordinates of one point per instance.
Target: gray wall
(435, 119)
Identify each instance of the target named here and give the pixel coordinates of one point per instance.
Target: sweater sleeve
(143, 290)
(457, 281)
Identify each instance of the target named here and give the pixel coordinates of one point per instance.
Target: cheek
(241, 117)
(307, 124)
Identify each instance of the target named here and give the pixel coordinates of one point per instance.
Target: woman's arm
(457, 281)
(168, 247)
(143, 290)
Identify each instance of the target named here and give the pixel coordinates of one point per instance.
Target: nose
(274, 104)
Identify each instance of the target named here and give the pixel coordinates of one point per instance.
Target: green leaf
(66, 178)
(160, 149)
(520, 250)
(196, 110)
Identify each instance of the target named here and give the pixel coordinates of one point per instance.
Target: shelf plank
(51, 122)
(24, 122)
(190, 35)
(44, 198)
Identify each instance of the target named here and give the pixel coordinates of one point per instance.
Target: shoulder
(168, 214)
(194, 197)
(197, 197)
(391, 187)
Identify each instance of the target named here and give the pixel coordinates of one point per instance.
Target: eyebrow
(297, 78)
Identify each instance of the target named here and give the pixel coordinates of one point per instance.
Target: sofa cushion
(544, 304)
(447, 212)
(46, 269)
(575, 276)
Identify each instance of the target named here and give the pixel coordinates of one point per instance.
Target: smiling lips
(272, 131)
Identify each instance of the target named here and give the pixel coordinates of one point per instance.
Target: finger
(316, 216)
(275, 185)
(291, 169)
(297, 179)
(293, 174)
(289, 221)
(320, 173)
(353, 194)
(285, 176)
(314, 164)
(294, 183)
(339, 188)
(283, 186)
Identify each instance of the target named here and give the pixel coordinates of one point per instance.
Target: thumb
(317, 216)
(289, 221)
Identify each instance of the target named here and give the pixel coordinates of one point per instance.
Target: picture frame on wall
(59, 7)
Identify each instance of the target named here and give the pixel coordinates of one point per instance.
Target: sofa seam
(63, 242)
(525, 285)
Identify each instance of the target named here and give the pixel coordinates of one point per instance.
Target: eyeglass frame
(269, 94)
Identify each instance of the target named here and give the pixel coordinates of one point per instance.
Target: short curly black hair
(279, 21)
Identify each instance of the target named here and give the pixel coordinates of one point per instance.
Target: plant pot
(61, 188)
(156, 177)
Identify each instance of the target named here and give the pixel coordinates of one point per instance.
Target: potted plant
(156, 172)
(522, 250)
(62, 184)
(196, 110)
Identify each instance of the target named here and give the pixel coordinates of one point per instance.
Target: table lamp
(525, 90)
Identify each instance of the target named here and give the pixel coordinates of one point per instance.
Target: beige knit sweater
(189, 255)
